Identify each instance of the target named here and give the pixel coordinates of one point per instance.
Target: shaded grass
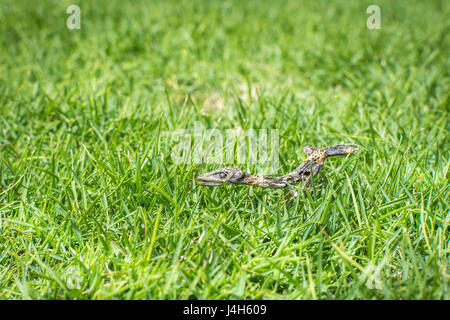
(89, 195)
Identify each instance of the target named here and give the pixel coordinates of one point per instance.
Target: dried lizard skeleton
(305, 172)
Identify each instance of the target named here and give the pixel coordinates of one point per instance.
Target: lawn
(94, 206)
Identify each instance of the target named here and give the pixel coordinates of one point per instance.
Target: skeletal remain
(314, 162)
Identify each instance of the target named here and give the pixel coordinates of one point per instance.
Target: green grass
(89, 196)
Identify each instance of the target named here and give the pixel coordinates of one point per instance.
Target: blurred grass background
(88, 197)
